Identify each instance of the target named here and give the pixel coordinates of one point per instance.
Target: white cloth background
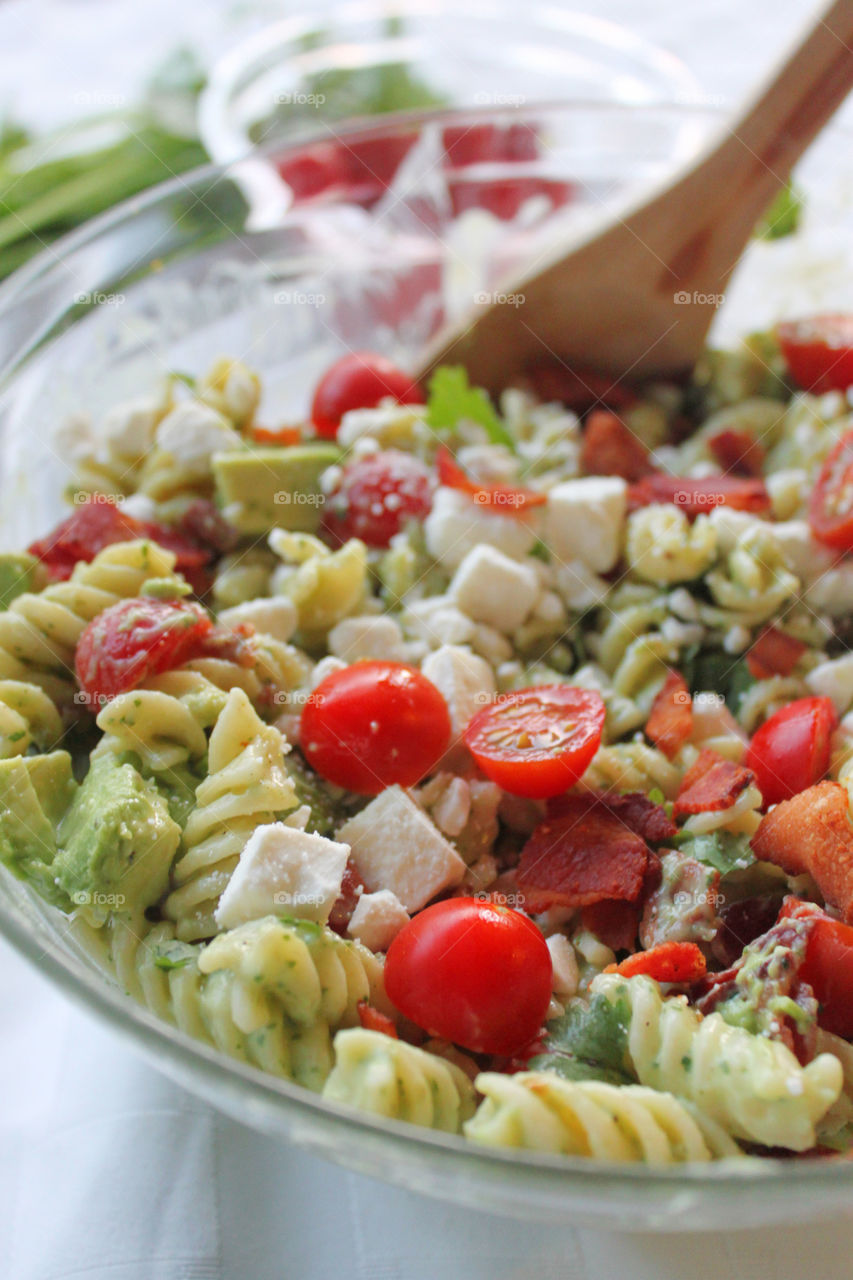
(110, 1172)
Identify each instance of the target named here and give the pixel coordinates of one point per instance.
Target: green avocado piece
(35, 792)
(116, 842)
(17, 575)
(270, 488)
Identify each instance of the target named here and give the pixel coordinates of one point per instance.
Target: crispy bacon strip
(610, 448)
(774, 653)
(710, 783)
(697, 496)
(585, 854)
(737, 451)
(634, 809)
(812, 832)
(616, 924)
(668, 962)
(374, 1020)
(670, 721)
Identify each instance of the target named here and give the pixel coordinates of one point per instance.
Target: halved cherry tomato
(695, 496)
(99, 523)
(471, 972)
(818, 351)
(135, 639)
(668, 962)
(610, 448)
(376, 496)
(828, 966)
(510, 499)
(791, 750)
(831, 504)
(374, 724)
(359, 381)
(537, 742)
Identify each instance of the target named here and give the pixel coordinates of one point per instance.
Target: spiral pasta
(159, 728)
(632, 766)
(27, 718)
(752, 584)
(388, 1077)
(752, 1086)
(247, 785)
(539, 1111)
(663, 547)
(39, 631)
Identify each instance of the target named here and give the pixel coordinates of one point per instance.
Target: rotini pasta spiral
(663, 547)
(27, 718)
(247, 785)
(271, 993)
(160, 729)
(390, 1078)
(632, 766)
(539, 1111)
(752, 1086)
(753, 583)
(39, 631)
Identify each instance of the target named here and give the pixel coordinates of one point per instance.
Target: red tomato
(376, 497)
(818, 351)
(135, 639)
(374, 724)
(98, 523)
(374, 1020)
(471, 972)
(358, 381)
(537, 742)
(831, 504)
(791, 750)
(828, 969)
(511, 500)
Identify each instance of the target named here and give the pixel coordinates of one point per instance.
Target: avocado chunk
(116, 842)
(17, 575)
(35, 792)
(262, 489)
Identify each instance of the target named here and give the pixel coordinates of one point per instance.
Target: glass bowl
(197, 268)
(360, 58)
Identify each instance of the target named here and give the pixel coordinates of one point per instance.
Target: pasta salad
(486, 768)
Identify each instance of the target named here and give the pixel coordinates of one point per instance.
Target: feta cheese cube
(438, 621)
(395, 846)
(377, 919)
(367, 637)
(464, 680)
(192, 432)
(584, 520)
(564, 966)
(579, 586)
(277, 616)
(128, 429)
(834, 680)
(283, 870)
(456, 524)
(491, 588)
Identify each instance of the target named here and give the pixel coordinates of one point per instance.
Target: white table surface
(107, 1170)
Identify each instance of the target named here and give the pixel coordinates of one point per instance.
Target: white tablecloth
(110, 1172)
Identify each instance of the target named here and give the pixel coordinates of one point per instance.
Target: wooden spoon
(638, 298)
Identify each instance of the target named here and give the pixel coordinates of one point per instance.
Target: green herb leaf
(168, 964)
(589, 1042)
(784, 215)
(452, 398)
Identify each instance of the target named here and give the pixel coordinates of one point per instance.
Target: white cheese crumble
(377, 919)
(283, 871)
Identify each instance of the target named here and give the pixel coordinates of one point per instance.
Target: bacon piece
(639, 814)
(585, 854)
(710, 783)
(613, 923)
(670, 721)
(737, 451)
(812, 832)
(697, 496)
(681, 962)
(774, 653)
(352, 887)
(579, 389)
(610, 448)
(511, 500)
(374, 1020)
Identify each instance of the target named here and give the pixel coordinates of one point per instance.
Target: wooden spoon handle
(793, 106)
